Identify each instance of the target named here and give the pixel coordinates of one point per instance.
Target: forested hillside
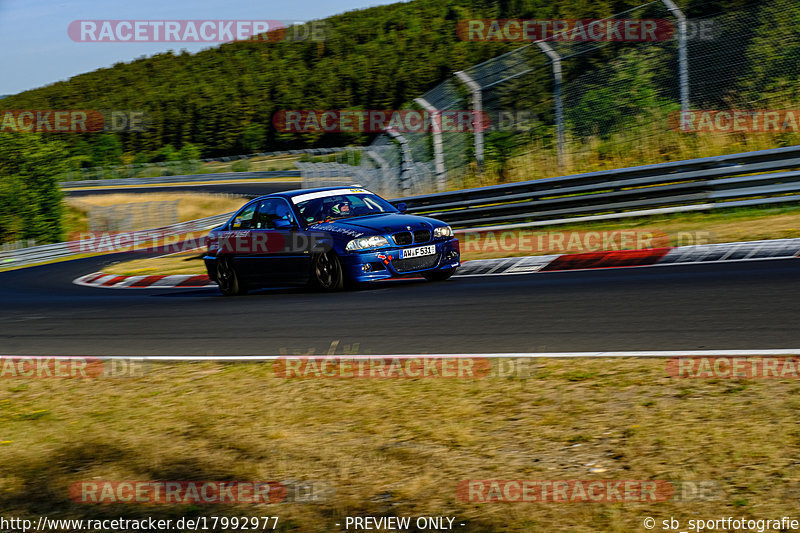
(221, 100)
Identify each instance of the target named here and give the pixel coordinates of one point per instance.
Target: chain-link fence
(674, 87)
(262, 161)
(17, 245)
(133, 216)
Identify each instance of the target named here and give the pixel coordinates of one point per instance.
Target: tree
(30, 196)
(106, 151)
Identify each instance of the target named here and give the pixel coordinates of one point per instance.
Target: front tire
(326, 272)
(228, 280)
(439, 275)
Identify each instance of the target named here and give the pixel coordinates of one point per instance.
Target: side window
(284, 211)
(270, 210)
(311, 210)
(244, 218)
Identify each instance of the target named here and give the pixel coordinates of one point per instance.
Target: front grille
(422, 235)
(419, 236)
(403, 238)
(415, 263)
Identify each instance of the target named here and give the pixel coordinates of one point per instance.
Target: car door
(238, 232)
(277, 253)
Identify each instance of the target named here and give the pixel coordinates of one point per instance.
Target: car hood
(378, 224)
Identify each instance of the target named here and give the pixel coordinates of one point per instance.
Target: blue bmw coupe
(328, 239)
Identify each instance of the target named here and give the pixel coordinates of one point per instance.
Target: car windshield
(346, 205)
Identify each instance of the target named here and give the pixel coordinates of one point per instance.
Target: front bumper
(384, 264)
(210, 262)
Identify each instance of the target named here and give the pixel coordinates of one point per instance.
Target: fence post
(408, 160)
(438, 152)
(477, 108)
(384, 166)
(559, 104)
(683, 57)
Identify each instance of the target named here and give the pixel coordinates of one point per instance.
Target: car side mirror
(282, 223)
(401, 206)
(237, 223)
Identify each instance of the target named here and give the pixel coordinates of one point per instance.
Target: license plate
(418, 252)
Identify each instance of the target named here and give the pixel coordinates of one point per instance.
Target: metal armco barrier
(736, 180)
(99, 172)
(62, 250)
(219, 176)
(765, 177)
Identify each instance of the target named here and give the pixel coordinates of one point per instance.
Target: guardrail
(745, 179)
(218, 176)
(170, 166)
(63, 250)
(301, 151)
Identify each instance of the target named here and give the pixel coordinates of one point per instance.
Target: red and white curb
(110, 281)
(704, 253)
(682, 255)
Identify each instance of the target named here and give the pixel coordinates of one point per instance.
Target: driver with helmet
(341, 208)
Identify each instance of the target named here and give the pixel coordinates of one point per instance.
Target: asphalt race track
(750, 305)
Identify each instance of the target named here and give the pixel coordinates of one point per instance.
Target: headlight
(365, 243)
(444, 231)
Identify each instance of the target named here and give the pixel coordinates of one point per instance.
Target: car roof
(298, 192)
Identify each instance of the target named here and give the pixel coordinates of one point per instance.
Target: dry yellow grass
(183, 263)
(191, 206)
(400, 447)
(647, 143)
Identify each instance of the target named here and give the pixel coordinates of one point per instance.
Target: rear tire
(228, 280)
(326, 272)
(439, 275)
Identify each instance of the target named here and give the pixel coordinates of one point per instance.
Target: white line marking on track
(534, 355)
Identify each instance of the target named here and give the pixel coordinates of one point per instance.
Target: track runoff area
(687, 364)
